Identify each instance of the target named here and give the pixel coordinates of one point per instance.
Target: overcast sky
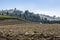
(48, 7)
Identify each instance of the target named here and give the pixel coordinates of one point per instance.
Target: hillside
(12, 28)
(10, 20)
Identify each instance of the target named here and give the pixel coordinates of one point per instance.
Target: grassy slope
(11, 20)
(6, 17)
(10, 17)
(13, 17)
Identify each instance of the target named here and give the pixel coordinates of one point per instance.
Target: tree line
(26, 15)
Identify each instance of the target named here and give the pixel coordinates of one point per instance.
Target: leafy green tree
(7, 13)
(45, 19)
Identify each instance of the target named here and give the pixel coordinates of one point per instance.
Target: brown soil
(13, 29)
